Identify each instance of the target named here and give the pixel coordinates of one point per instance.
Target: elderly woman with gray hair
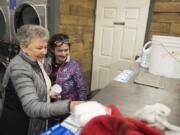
(26, 84)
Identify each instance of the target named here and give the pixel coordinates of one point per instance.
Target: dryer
(27, 12)
(4, 21)
(4, 30)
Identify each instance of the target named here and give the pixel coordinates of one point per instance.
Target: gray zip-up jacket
(30, 87)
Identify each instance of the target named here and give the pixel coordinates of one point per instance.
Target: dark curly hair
(58, 38)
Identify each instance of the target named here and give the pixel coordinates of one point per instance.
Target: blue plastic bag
(57, 130)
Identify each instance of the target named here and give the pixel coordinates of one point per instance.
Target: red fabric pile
(117, 124)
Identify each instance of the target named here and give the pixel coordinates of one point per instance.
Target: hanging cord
(176, 59)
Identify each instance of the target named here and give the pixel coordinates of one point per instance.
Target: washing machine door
(2, 71)
(3, 24)
(3, 66)
(29, 14)
(25, 14)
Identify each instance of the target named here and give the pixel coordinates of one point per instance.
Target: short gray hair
(29, 31)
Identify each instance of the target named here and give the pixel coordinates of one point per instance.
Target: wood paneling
(166, 18)
(77, 20)
(160, 27)
(167, 7)
(175, 28)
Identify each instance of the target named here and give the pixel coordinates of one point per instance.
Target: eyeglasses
(59, 43)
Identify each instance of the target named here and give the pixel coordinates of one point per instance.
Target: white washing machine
(4, 21)
(27, 12)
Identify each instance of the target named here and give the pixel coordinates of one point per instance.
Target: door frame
(150, 15)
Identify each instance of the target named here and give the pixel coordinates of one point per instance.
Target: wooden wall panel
(167, 7)
(77, 20)
(175, 28)
(166, 18)
(160, 27)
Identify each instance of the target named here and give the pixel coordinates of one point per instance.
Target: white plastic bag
(86, 111)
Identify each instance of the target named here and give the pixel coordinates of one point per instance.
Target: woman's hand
(74, 103)
(56, 96)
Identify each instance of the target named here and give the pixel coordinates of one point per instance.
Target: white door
(119, 35)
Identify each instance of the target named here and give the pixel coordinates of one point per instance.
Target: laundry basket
(165, 56)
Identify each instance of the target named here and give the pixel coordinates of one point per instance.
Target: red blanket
(117, 124)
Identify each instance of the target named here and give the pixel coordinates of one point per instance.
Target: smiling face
(61, 53)
(37, 49)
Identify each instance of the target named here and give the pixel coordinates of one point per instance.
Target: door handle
(119, 23)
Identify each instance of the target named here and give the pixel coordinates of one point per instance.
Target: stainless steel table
(130, 97)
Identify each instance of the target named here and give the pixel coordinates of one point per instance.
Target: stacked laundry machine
(4, 32)
(4, 36)
(27, 12)
(14, 14)
(4, 20)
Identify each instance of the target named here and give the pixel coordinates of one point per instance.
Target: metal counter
(130, 97)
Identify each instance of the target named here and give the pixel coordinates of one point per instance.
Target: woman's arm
(22, 78)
